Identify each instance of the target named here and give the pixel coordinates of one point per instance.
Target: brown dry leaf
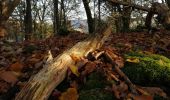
(70, 94)
(122, 87)
(4, 86)
(89, 67)
(9, 77)
(34, 60)
(74, 84)
(115, 91)
(120, 90)
(155, 91)
(17, 67)
(141, 97)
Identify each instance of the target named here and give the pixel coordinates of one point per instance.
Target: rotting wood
(40, 86)
(121, 73)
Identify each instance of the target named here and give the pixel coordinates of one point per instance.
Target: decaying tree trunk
(40, 86)
(157, 8)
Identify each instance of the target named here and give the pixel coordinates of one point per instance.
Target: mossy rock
(150, 69)
(96, 94)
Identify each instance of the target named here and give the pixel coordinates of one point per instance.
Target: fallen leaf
(70, 94)
(74, 84)
(89, 67)
(34, 60)
(115, 91)
(17, 67)
(4, 86)
(9, 77)
(155, 91)
(141, 97)
(74, 70)
(133, 60)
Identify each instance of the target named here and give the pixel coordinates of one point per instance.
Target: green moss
(96, 94)
(152, 69)
(94, 80)
(93, 89)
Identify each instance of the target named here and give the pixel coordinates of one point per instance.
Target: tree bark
(126, 16)
(99, 9)
(64, 15)
(56, 17)
(89, 16)
(168, 3)
(40, 86)
(28, 20)
(6, 9)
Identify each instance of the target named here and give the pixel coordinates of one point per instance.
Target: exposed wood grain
(40, 86)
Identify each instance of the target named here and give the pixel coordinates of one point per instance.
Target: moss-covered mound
(96, 94)
(147, 69)
(93, 89)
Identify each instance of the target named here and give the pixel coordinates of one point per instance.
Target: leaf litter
(95, 77)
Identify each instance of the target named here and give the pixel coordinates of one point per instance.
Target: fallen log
(40, 86)
(121, 73)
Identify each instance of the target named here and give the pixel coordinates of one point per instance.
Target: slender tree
(28, 21)
(89, 16)
(99, 9)
(56, 17)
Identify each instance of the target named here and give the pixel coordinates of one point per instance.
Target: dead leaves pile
(118, 85)
(158, 43)
(20, 61)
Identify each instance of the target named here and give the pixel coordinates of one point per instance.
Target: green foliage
(151, 69)
(63, 31)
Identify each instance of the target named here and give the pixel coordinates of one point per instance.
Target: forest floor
(95, 77)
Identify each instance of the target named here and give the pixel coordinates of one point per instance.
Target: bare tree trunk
(89, 16)
(56, 17)
(28, 21)
(6, 9)
(64, 15)
(99, 8)
(126, 16)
